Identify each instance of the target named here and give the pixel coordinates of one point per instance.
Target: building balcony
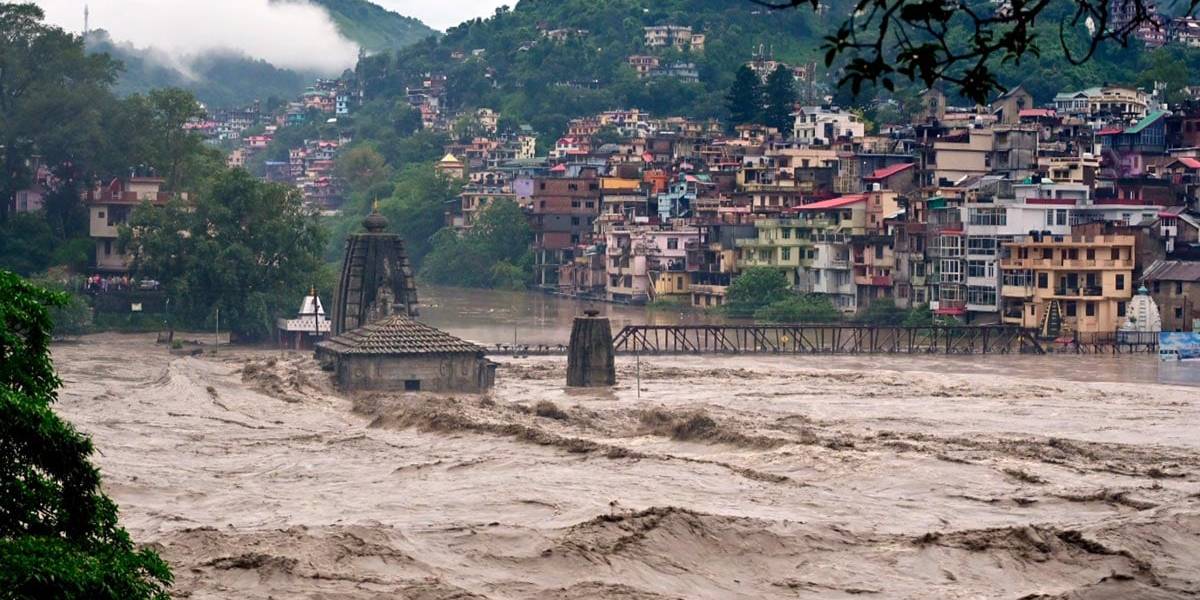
(1016, 291)
(1078, 292)
(873, 280)
(1107, 264)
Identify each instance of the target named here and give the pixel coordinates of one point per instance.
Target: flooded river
(711, 477)
(492, 317)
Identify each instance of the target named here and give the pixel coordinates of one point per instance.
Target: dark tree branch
(883, 38)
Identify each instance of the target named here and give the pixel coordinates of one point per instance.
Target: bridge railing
(823, 339)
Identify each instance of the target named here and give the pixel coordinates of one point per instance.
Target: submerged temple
(377, 343)
(376, 280)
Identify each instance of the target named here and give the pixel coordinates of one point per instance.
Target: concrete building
(109, 207)
(645, 264)
(1175, 287)
(819, 126)
(1067, 284)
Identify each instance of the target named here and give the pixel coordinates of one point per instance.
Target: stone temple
(377, 343)
(376, 279)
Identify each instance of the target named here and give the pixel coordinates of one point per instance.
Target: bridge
(824, 339)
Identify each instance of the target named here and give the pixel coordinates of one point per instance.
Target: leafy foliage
(745, 97)
(59, 536)
(493, 253)
(780, 98)
(374, 27)
(810, 308)
(756, 288)
(245, 247)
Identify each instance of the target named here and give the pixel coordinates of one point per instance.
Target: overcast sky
(288, 35)
(442, 14)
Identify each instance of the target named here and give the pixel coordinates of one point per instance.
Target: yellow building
(1061, 285)
(780, 243)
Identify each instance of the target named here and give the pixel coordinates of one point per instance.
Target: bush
(755, 288)
(811, 308)
(59, 535)
(549, 410)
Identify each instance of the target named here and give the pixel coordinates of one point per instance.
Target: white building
(818, 126)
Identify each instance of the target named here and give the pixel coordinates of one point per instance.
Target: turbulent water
(730, 477)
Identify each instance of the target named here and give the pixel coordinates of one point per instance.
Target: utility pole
(217, 332)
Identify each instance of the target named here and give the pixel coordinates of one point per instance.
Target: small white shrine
(309, 327)
(1142, 315)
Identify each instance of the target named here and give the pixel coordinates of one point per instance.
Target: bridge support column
(590, 361)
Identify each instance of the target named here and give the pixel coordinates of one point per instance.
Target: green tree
(779, 99)
(59, 534)
(26, 243)
(810, 308)
(362, 167)
(418, 208)
(494, 253)
(52, 99)
(245, 247)
(755, 288)
(745, 99)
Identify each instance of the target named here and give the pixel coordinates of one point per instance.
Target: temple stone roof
(397, 335)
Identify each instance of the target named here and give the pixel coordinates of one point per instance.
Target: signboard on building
(1179, 345)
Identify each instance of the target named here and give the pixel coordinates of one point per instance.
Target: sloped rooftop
(397, 335)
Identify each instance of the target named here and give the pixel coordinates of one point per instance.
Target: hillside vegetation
(533, 79)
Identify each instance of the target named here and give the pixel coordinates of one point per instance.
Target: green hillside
(374, 27)
(533, 79)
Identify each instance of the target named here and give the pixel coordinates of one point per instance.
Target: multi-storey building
(562, 211)
(109, 207)
(1066, 284)
(647, 263)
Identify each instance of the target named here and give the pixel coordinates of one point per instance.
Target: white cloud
(292, 35)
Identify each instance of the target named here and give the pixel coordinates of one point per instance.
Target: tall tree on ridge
(780, 99)
(745, 99)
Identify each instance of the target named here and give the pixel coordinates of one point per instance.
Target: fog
(287, 34)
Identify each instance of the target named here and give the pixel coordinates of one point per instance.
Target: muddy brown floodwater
(731, 477)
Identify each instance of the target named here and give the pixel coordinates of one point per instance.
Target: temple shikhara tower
(376, 281)
(377, 342)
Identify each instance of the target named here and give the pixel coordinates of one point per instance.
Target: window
(107, 247)
(787, 233)
(672, 243)
(1120, 309)
(1179, 288)
(879, 252)
(984, 246)
(1070, 308)
(987, 216)
(1089, 309)
(574, 204)
(412, 385)
(1120, 282)
(787, 254)
(1178, 312)
(589, 204)
(1091, 254)
(981, 295)
(1116, 254)
(1043, 280)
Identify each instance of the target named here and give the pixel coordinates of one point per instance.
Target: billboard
(1179, 345)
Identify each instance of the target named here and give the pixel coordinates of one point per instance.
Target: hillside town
(1048, 217)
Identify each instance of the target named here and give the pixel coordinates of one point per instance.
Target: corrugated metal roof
(834, 203)
(398, 335)
(1146, 122)
(886, 172)
(1172, 270)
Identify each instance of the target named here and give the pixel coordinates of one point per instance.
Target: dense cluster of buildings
(1050, 217)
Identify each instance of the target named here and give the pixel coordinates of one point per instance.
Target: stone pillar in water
(590, 360)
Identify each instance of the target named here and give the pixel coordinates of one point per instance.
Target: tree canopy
(754, 289)
(242, 246)
(59, 535)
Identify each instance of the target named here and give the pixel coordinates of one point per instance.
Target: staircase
(1052, 322)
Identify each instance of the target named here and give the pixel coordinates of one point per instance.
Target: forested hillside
(374, 27)
(216, 78)
(532, 78)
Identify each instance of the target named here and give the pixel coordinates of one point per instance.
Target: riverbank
(722, 477)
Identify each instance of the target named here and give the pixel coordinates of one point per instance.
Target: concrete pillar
(590, 360)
